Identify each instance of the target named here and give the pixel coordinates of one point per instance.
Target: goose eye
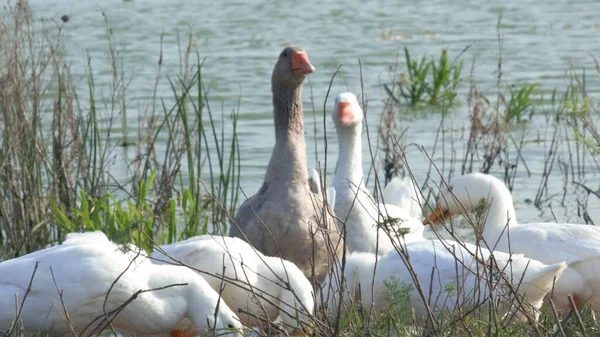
(230, 326)
(284, 54)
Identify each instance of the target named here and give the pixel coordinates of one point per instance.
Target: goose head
(227, 322)
(292, 67)
(347, 112)
(465, 194)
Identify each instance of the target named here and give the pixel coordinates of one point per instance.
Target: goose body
(549, 243)
(285, 218)
(448, 274)
(249, 276)
(360, 215)
(83, 268)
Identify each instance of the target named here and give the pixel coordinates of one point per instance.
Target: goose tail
(403, 193)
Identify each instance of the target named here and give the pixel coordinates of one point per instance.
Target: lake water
(242, 39)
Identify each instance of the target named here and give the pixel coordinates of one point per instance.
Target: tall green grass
(56, 148)
(427, 81)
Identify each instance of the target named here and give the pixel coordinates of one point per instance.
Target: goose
(549, 243)
(254, 283)
(285, 218)
(89, 275)
(359, 215)
(448, 274)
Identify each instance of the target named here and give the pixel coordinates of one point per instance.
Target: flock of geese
(297, 245)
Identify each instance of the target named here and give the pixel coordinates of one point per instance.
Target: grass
(428, 82)
(56, 150)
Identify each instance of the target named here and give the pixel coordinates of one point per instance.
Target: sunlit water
(241, 41)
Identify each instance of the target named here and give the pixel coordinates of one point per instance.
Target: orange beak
(439, 215)
(300, 64)
(177, 333)
(182, 333)
(345, 113)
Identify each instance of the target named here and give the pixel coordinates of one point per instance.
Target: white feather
(83, 269)
(360, 215)
(549, 243)
(246, 267)
(447, 273)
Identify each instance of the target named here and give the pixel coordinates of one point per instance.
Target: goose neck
(287, 111)
(288, 160)
(500, 217)
(349, 167)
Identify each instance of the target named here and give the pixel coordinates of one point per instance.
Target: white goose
(253, 282)
(353, 202)
(578, 245)
(458, 278)
(84, 268)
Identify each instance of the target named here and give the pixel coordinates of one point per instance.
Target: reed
(428, 82)
(56, 150)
